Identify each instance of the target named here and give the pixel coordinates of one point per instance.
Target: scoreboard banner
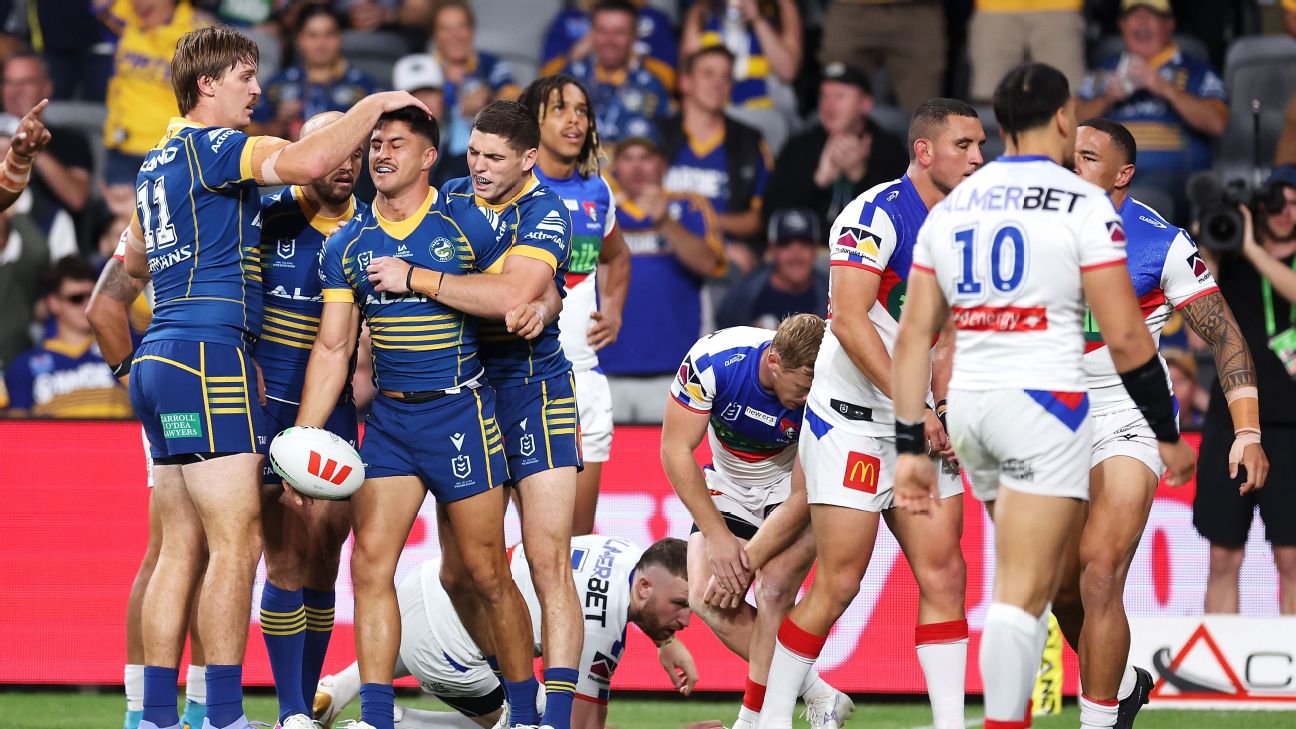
(74, 505)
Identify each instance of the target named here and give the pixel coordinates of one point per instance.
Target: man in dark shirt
(832, 163)
(789, 284)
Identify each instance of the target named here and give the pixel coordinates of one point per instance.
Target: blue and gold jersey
(418, 343)
(292, 246)
(535, 224)
(198, 209)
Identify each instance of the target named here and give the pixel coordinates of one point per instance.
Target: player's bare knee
(841, 589)
(1099, 583)
(775, 593)
(943, 579)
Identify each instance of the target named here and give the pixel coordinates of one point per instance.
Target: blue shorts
(280, 415)
(195, 397)
(451, 444)
(540, 425)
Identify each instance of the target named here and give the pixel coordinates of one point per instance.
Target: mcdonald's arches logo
(862, 471)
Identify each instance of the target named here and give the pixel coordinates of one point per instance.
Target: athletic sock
(1009, 661)
(1129, 680)
(160, 696)
(319, 629)
(283, 625)
(377, 701)
(1097, 714)
(795, 652)
(521, 697)
(813, 686)
(224, 695)
(195, 697)
(133, 680)
(942, 652)
(560, 688)
(752, 701)
(493, 664)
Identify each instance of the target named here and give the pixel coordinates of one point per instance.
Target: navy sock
(493, 663)
(319, 628)
(224, 695)
(377, 702)
(560, 688)
(283, 625)
(160, 695)
(521, 697)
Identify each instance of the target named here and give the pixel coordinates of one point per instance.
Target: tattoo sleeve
(118, 285)
(1213, 321)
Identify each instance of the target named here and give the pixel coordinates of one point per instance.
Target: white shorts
(743, 517)
(1035, 446)
(148, 457)
(851, 469)
(594, 402)
(1126, 433)
(434, 646)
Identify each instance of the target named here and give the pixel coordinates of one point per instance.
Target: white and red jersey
(1168, 273)
(1008, 247)
(876, 232)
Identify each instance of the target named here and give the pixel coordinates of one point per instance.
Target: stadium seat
(994, 145)
(893, 120)
(271, 52)
(771, 123)
(1258, 69)
(513, 30)
(86, 117)
(374, 52)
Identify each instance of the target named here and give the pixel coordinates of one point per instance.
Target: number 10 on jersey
(1007, 261)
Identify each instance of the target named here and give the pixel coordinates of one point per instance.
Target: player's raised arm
(108, 312)
(276, 161)
(925, 312)
(27, 142)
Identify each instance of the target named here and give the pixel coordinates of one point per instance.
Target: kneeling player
(619, 581)
(744, 389)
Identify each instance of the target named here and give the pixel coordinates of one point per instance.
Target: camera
(1215, 208)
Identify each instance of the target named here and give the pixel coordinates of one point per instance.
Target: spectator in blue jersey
(322, 80)
(568, 39)
(65, 376)
(472, 78)
(1173, 103)
(763, 35)
(629, 100)
(712, 155)
(845, 154)
(675, 247)
(789, 283)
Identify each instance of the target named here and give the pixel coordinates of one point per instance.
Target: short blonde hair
(207, 52)
(797, 340)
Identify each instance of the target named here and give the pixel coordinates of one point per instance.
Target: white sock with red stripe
(795, 652)
(1129, 680)
(1010, 654)
(753, 701)
(1097, 714)
(942, 651)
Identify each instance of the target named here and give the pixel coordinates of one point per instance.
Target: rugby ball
(317, 463)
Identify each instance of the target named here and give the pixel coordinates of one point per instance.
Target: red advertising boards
(73, 500)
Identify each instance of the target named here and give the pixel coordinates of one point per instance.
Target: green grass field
(103, 710)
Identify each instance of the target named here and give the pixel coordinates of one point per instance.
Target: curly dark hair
(536, 98)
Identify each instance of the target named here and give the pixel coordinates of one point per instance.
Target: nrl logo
(287, 248)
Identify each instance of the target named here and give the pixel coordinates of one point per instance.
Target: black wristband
(910, 437)
(409, 280)
(121, 369)
(1146, 385)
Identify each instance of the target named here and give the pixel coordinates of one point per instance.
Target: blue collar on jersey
(1025, 158)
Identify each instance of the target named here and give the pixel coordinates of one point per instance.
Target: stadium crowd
(702, 151)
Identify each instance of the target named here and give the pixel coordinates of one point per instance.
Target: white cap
(419, 71)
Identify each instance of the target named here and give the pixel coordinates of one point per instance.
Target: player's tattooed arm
(109, 311)
(1212, 320)
(118, 285)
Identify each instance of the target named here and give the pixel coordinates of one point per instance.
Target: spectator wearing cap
(717, 157)
(627, 98)
(763, 35)
(789, 283)
(321, 81)
(828, 165)
(906, 37)
(65, 376)
(1172, 102)
(675, 248)
(1004, 34)
(568, 39)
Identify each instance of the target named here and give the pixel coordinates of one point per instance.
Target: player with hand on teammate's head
(1013, 254)
(193, 384)
(847, 448)
(303, 542)
(599, 275)
(432, 426)
(1168, 274)
(744, 389)
(536, 399)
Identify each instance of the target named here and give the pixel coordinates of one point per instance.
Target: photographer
(1258, 280)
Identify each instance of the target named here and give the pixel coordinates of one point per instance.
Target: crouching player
(303, 543)
(620, 582)
(745, 390)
